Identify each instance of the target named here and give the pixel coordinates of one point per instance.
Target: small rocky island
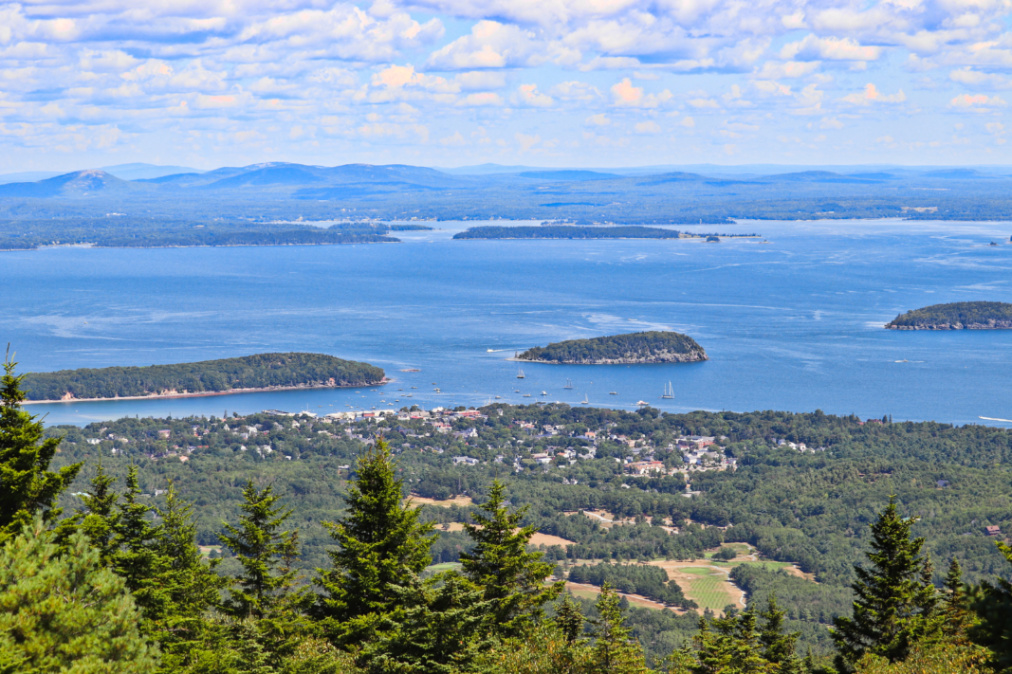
(634, 348)
(956, 316)
(260, 372)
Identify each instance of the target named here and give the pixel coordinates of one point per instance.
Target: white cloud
(813, 48)
(490, 45)
(871, 95)
(528, 94)
(977, 79)
(625, 94)
(977, 101)
(481, 99)
(647, 127)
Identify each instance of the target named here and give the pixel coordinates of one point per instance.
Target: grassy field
(708, 587)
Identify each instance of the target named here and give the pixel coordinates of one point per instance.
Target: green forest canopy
(265, 370)
(641, 347)
(956, 315)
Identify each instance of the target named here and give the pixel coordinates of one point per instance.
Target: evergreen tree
(264, 551)
(441, 630)
(994, 612)
(955, 610)
(513, 578)
(778, 648)
(893, 608)
(569, 618)
(27, 486)
(137, 558)
(263, 602)
(99, 518)
(614, 650)
(192, 585)
(742, 643)
(65, 612)
(381, 545)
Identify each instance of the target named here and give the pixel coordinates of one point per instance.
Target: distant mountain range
(645, 195)
(121, 171)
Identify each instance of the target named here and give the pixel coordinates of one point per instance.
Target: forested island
(583, 232)
(264, 371)
(956, 316)
(131, 232)
(634, 348)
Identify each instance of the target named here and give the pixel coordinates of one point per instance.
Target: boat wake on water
(1007, 421)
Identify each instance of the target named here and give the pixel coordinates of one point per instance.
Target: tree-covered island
(634, 348)
(552, 231)
(264, 371)
(956, 316)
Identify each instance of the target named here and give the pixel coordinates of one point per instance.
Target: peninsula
(956, 316)
(633, 348)
(260, 372)
(585, 232)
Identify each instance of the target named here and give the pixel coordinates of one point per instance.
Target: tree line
(262, 370)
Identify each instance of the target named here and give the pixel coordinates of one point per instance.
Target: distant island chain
(956, 316)
(260, 372)
(628, 349)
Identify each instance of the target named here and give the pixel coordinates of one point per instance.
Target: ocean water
(795, 324)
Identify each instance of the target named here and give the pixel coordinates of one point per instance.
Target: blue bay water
(795, 324)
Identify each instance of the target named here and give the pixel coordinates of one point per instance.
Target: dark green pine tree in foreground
(62, 610)
(28, 486)
(614, 651)
(381, 546)
(994, 609)
(264, 551)
(513, 578)
(894, 605)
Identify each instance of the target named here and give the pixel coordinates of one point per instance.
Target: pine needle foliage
(513, 578)
(264, 551)
(994, 610)
(381, 545)
(62, 611)
(614, 650)
(894, 605)
(27, 486)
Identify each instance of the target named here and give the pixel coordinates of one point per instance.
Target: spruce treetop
(27, 486)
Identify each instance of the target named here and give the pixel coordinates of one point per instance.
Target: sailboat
(585, 401)
(569, 384)
(520, 374)
(669, 391)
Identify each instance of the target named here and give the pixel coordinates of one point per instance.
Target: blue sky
(207, 83)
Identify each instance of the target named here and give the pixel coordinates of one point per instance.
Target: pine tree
(569, 618)
(99, 518)
(136, 557)
(27, 486)
(263, 604)
(264, 551)
(892, 610)
(955, 610)
(513, 578)
(192, 585)
(381, 545)
(778, 648)
(62, 611)
(614, 651)
(441, 629)
(994, 611)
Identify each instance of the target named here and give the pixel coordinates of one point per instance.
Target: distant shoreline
(203, 394)
(196, 245)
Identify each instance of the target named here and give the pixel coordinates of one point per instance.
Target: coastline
(204, 394)
(611, 362)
